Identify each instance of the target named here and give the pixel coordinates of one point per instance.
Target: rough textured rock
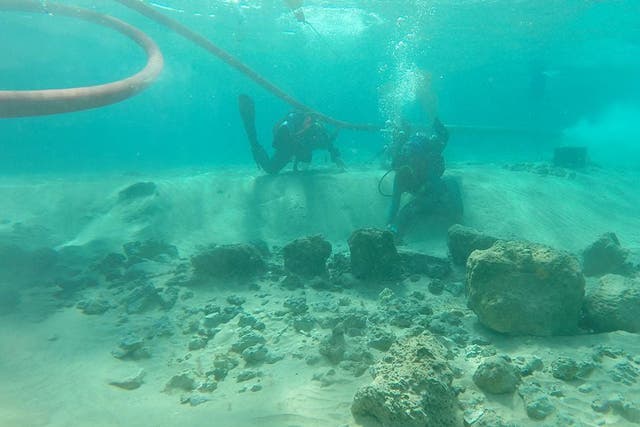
(307, 256)
(605, 255)
(613, 305)
(374, 254)
(228, 261)
(496, 375)
(464, 240)
(425, 397)
(431, 266)
(525, 289)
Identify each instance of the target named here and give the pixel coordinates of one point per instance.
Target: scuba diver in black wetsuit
(294, 138)
(418, 164)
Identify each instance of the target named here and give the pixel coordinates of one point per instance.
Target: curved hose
(234, 62)
(21, 103)
(381, 180)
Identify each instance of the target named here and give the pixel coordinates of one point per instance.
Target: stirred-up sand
(56, 362)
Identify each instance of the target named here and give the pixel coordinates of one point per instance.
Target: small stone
(236, 300)
(564, 368)
(496, 375)
(183, 381)
(194, 399)
(539, 408)
(247, 374)
(255, 354)
(198, 343)
(130, 383)
(208, 386)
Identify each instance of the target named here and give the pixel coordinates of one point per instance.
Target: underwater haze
(356, 213)
(545, 66)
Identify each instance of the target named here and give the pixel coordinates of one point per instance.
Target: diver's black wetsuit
(295, 138)
(419, 165)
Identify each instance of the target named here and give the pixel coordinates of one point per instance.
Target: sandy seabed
(56, 362)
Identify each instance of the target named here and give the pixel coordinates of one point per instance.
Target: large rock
(411, 388)
(228, 261)
(525, 289)
(307, 256)
(374, 254)
(605, 255)
(614, 304)
(464, 240)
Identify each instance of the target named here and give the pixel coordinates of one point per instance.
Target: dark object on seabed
(571, 157)
(137, 191)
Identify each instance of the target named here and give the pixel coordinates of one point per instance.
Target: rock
(131, 347)
(222, 364)
(613, 305)
(94, 306)
(194, 399)
(248, 338)
(130, 383)
(496, 375)
(304, 323)
(605, 256)
(564, 368)
(255, 354)
(220, 316)
(162, 327)
(374, 255)
(142, 298)
(229, 261)
(430, 266)
(248, 374)
(296, 305)
(236, 300)
(137, 191)
(334, 346)
(183, 381)
(111, 266)
(307, 256)
(539, 408)
(152, 250)
(198, 342)
(208, 386)
(537, 404)
(411, 388)
(464, 240)
(523, 288)
(381, 339)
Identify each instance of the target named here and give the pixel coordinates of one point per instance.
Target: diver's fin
(248, 114)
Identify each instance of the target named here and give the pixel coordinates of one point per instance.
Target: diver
(295, 138)
(419, 165)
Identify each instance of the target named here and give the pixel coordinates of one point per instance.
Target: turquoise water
(548, 66)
